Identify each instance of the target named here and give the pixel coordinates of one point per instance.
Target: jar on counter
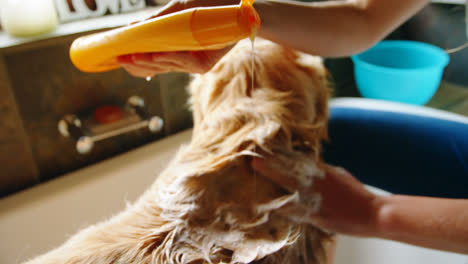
(23, 18)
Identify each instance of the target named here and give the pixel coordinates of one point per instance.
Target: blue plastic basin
(403, 71)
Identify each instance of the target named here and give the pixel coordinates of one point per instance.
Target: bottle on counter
(25, 18)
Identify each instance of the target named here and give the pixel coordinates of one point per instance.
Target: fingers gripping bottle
(202, 28)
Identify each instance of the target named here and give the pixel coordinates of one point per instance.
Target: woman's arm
(333, 28)
(429, 222)
(348, 208)
(329, 29)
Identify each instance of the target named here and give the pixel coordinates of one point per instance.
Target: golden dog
(209, 206)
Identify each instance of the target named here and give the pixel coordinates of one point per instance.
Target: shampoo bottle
(193, 29)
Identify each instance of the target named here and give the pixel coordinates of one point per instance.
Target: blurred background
(90, 143)
(40, 88)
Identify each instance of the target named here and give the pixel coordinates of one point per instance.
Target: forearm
(332, 28)
(428, 222)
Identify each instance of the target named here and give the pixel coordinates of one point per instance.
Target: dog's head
(285, 105)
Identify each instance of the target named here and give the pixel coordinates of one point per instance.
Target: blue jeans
(400, 148)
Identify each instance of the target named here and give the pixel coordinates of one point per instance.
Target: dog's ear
(291, 93)
(318, 74)
(316, 95)
(228, 81)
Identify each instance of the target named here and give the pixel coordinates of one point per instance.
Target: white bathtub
(43, 217)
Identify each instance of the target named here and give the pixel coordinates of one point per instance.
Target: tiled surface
(18, 168)
(46, 86)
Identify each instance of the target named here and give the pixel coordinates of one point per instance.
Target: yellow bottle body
(189, 30)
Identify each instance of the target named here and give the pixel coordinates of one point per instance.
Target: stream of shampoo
(252, 59)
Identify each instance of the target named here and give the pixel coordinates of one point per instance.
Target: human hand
(149, 64)
(346, 207)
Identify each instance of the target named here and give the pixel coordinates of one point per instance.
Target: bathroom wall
(443, 25)
(39, 85)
